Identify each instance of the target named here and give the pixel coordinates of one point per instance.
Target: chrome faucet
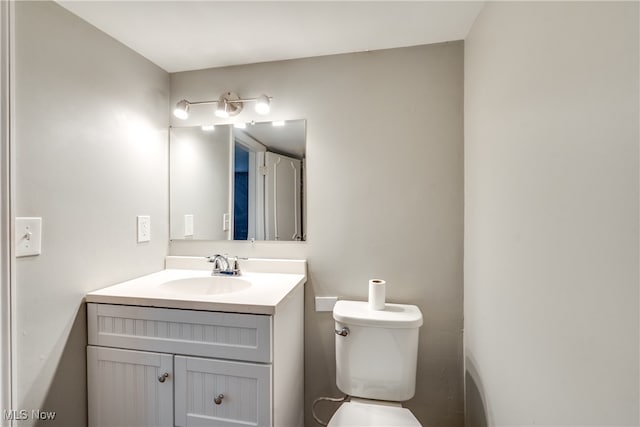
(222, 267)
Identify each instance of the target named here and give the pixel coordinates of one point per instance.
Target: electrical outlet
(325, 303)
(144, 228)
(188, 225)
(226, 221)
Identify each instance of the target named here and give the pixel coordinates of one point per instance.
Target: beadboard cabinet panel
(129, 388)
(199, 333)
(212, 392)
(160, 367)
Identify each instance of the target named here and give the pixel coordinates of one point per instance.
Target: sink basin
(211, 285)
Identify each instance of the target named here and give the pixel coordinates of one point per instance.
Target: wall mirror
(242, 182)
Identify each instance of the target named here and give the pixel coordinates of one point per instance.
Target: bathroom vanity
(180, 347)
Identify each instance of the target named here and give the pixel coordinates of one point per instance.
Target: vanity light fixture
(222, 110)
(278, 123)
(208, 128)
(240, 125)
(263, 104)
(182, 109)
(228, 105)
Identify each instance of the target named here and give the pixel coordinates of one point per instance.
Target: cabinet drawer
(245, 390)
(200, 333)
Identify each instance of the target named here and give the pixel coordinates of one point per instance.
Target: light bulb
(182, 109)
(262, 104)
(221, 110)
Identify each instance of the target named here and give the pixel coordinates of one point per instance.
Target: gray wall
(200, 180)
(385, 196)
(91, 154)
(551, 214)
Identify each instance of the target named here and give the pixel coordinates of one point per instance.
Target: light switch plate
(28, 236)
(188, 225)
(144, 228)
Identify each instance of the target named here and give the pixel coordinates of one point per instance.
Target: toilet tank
(377, 358)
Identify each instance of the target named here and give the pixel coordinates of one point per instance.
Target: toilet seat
(369, 414)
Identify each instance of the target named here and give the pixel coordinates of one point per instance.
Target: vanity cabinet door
(129, 388)
(220, 393)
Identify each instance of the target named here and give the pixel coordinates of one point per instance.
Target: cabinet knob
(162, 378)
(218, 399)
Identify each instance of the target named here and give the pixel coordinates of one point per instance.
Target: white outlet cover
(144, 228)
(226, 221)
(325, 303)
(28, 236)
(188, 225)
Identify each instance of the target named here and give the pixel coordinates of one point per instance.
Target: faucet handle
(236, 267)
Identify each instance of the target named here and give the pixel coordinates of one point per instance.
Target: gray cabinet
(129, 388)
(213, 392)
(151, 366)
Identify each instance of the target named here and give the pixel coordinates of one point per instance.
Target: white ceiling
(289, 139)
(190, 35)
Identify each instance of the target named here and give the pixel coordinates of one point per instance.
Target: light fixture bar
(232, 105)
(216, 101)
(253, 99)
(201, 102)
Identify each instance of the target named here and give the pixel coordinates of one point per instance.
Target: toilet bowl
(376, 358)
(369, 413)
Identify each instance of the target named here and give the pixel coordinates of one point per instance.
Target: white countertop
(267, 291)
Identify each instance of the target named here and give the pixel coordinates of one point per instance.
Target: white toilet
(376, 356)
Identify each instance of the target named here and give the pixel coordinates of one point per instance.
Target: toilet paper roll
(377, 294)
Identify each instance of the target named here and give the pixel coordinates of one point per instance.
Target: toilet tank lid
(393, 315)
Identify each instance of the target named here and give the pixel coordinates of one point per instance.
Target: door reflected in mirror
(231, 183)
